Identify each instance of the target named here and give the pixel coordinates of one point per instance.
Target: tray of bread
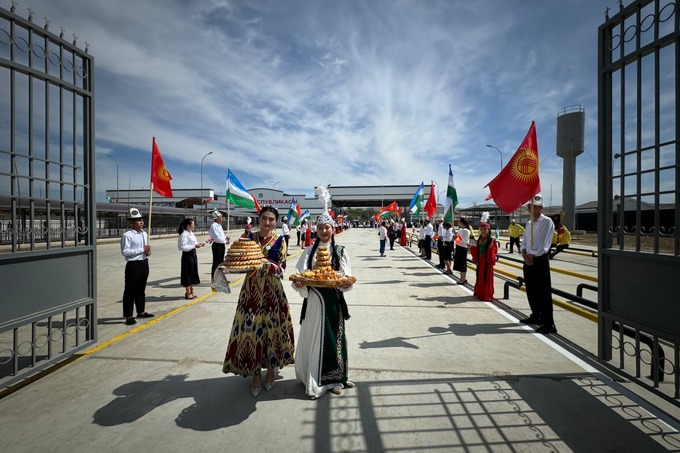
(323, 275)
(244, 255)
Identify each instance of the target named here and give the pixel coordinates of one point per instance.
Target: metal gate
(639, 156)
(47, 243)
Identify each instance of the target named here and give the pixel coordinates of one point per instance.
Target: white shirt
(382, 232)
(428, 230)
(301, 266)
(187, 241)
(440, 230)
(285, 229)
(217, 233)
(543, 232)
(464, 234)
(447, 235)
(132, 245)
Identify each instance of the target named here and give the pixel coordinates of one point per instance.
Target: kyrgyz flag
(294, 213)
(238, 195)
(519, 180)
(431, 205)
(417, 202)
(160, 178)
(451, 199)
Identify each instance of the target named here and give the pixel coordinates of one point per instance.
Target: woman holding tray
(262, 333)
(321, 352)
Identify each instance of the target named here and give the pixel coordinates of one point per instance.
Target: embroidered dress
(321, 351)
(262, 333)
(484, 255)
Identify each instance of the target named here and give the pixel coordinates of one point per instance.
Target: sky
(294, 94)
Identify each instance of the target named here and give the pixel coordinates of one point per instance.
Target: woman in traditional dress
(262, 334)
(402, 233)
(187, 244)
(321, 352)
(484, 255)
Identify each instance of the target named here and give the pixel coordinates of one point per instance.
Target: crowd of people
(262, 334)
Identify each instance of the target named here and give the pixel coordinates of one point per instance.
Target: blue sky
(293, 94)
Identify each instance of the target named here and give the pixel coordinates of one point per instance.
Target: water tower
(570, 142)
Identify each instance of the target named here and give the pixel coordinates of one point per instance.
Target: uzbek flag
(304, 215)
(417, 201)
(238, 195)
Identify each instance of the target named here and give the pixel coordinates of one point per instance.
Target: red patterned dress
(262, 333)
(484, 255)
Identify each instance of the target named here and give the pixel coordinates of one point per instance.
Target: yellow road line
(78, 356)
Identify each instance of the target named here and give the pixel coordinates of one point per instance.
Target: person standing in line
(313, 230)
(135, 248)
(561, 237)
(262, 334)
(440, 242)
(392, 234)
(188, 244)
(297, 230)
(218, 241)
(428, 232)
(484, 255)
(447, 246)
(537, 267)
(515, 230)
(321, 352)
(462, 241)
(421, 241)
(285, 231)
(403, 240)
(382, 235)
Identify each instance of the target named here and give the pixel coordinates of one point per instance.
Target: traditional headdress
(484, 218)
(248, 223)
(135, 214)
(325, 218)
(216, 214)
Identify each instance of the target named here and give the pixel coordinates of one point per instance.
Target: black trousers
(516, 242)
(537, 280)
(218, 257)
(136, 274)
(440, 252)
(427, 247)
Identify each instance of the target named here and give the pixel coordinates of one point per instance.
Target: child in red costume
(484, 255)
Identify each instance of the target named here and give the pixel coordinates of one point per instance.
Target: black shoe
(130, 321)
(462, 283)
(546, 329)
(530, 320)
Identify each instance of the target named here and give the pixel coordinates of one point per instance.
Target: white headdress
(325, 218)
(249, 220)
(485, 217)
(322, 194)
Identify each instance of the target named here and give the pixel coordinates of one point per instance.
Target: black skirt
(189, 272)
(460, 259)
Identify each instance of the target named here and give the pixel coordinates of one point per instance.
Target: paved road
(436, 370)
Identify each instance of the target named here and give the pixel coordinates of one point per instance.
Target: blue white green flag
(237, 194)
(451, 199)
(417, 202)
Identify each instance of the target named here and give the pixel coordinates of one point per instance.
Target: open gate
(47, 241)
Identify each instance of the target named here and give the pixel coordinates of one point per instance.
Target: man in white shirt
(428, 232)
(285, 230)
(535, 245)
(218, 241)
(135, 248)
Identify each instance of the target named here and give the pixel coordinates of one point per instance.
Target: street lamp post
(499, 152)
(274, 185)
(206, 155)
(117, 192)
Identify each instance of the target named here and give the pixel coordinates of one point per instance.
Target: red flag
(257, 205)
(519, 180)
(160, 178)
(431, 205)
(331, 213)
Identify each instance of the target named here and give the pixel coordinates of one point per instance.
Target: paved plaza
(436, 371)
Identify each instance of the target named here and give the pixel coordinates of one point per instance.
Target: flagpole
(150, 205)
(228, 209)
(531, 230)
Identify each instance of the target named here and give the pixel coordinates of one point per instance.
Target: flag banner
(431, 205)
(304, 215)
(294, 213)
(160, 178)
(388, 211)
(417, 202)
(451, 199)
(237, 194)
(519, 180)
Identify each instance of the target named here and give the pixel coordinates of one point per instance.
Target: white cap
(216, 214)
(538, 200)
(135, 214)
